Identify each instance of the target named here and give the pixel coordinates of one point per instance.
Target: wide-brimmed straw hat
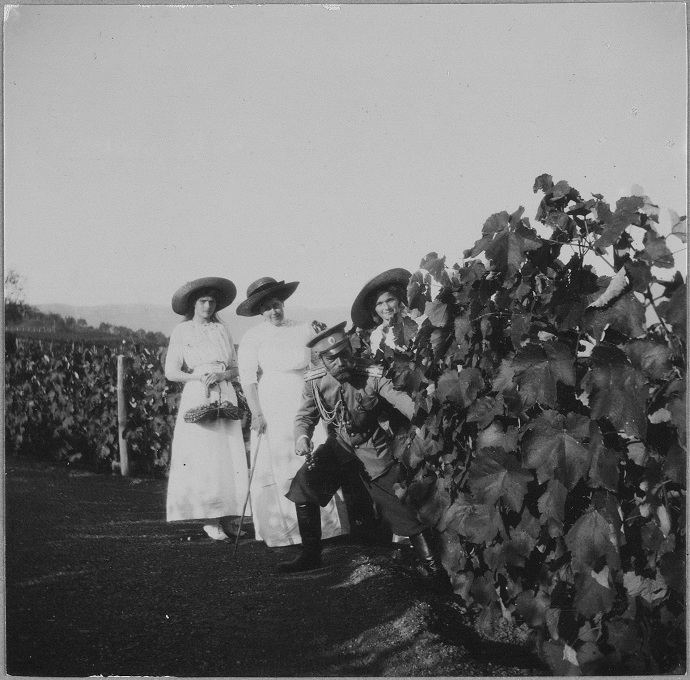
(363, 306)
(224, 292)
(262, 289)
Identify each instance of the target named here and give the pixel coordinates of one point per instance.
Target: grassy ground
(97, 583)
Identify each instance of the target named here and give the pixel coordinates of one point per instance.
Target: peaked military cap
(330, 341)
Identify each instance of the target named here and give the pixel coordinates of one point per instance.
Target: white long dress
(279, 354)
(208, 475)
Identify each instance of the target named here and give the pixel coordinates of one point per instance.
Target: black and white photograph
(345, 340)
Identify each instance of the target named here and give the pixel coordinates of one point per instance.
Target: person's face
(387, 307)
(273, 310)
(339, 366)
(204, 307)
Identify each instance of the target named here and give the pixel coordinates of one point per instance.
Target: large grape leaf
(437, 312)
(656, 252)
(589, 540)
(436, 266)
(679, 225)
(496, 475)
(453, 554)
(477, 522)
(463, 331)
(552, 501)
(504, 379)
(626, 315)
(619, 221)
(519, 328)
(552, 445)
(538, 369)
(404, 331)
(496, 223)
(507, 250)
(591, 596)
(674, 310)
(418, 291)
(484, 410)
(497, 434)
(483, 591)
(543, 183)
(676, 464)
(461, 388)
(561, 658)
(519, 547)
(618, 394)
(589, 656)
(603, 471)
(619, 285)
(648, 589)
(653, 358)
(672, 568)
(435, 501)
(640, 274)
(532, 608)
(506, 239)
(462, 584)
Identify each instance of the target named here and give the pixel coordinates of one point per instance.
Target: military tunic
(357, 414)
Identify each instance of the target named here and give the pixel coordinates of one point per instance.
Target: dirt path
(99, 584)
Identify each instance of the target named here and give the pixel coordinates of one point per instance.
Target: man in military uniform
(358, 404)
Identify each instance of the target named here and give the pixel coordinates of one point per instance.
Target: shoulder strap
(314, 373)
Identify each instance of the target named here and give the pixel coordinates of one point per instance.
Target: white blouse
(193, 344)
(274, 349)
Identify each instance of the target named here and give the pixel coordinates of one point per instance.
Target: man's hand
(303, 446)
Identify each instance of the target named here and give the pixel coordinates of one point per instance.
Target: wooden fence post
(122, 415)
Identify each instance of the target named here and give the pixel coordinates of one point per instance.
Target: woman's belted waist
(209, 368)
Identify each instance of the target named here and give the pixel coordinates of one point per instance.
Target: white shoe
(215, 531)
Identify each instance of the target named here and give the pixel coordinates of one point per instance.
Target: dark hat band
(334, 350)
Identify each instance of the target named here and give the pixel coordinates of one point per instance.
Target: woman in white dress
(208, 478)
(272, 360)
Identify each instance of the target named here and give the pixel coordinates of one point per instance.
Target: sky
(146, 146)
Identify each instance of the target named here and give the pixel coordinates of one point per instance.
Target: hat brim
(225, 293)
(361, 314)
(280, 291)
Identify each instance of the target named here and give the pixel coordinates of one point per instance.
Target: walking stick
(249, 488)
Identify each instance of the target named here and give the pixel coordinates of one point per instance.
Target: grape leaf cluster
(551, 402)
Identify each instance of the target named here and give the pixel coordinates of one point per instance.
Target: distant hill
(159, 318)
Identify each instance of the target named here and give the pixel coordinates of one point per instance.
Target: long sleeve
(400, 400)
(307, 415)
(232, 352)
(248, 359)
(174, 359)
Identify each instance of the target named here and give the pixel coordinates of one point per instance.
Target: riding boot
(309, 523)
(426, 556)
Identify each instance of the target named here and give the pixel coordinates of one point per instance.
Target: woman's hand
(211, 379)
(259, 423)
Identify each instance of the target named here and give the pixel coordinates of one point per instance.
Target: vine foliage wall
(551, 407)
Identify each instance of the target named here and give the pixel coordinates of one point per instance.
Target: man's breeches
(334, 468)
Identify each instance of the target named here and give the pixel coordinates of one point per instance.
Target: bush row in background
(61, 404)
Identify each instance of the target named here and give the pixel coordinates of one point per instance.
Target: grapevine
(551, 405)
